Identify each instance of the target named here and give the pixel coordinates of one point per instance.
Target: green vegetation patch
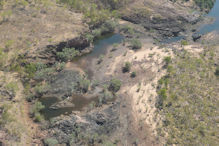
(35, 111)
(136, 44)
(115, 85)
(67, 54)
(188, 99)
(126, 67)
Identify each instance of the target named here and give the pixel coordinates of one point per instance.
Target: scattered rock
(196, 36)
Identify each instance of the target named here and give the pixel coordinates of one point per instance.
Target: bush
(44, 73)
(184, 42)
(41, 89)
(127, 67)
(38, 117)
(96, 33)
(50, 142)
(30, 69)
(162, 93)
(100, 59)
(67, 54)
(59, 66)
(115, 85)
(108, 26)
(6, 117)
(35, 111)
(84, 85)
(12, 86)
(105, 97)
(127, 29)
(89, 37)
(133, 74)
(167, 60)
(136, 44)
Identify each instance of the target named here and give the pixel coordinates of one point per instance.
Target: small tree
(50, 141)
(35, 111)
(184, 42)
(67, 54)
(126, 67)
(100, 59)
(167, 60)
(133, 74)
(84, 85)
(115, 85)
(136, 44)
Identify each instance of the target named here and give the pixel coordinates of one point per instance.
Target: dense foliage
(205, 4)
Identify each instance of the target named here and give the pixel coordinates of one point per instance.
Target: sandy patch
(148, 62)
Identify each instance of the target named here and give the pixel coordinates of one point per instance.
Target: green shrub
(35, 111)
(162, 93)
(115, 85)
(6, 117)
(84, 85)
(40, 66)
(12, 86)
(167, 60)
(44, 73)
(136, 44)
(30, 69)
(30, 97)
(107, 95)
(127, 29)
(41, 89)
(184, 42)
(38, 117)
(96, 33)
(108, 26)
(50, 142)
(89, 37)
(133, 74)
(100, 59)
(126, 67)
(59, 66)
(67, 54)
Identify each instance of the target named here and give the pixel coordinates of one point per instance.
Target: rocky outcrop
(167, 19)
(89, 128)
(196, 36)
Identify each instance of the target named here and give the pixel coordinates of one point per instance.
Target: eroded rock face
(166, 18)
(48, 54)
(89, 128)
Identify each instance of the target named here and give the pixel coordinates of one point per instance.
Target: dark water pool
(214, 13)
(205, 28)
(100, 48)
(78, 103)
